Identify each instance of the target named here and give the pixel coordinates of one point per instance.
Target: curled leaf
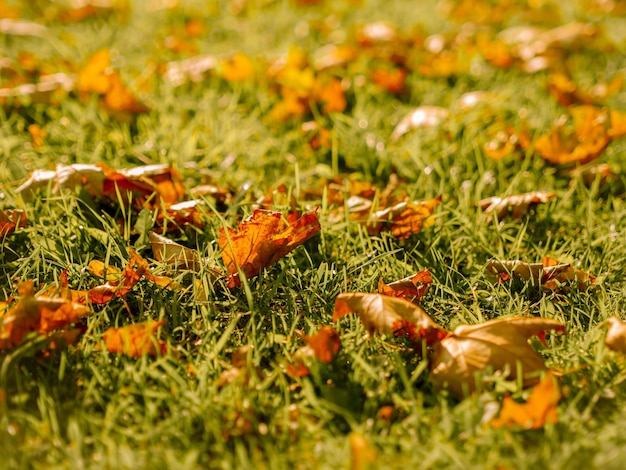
(415, 286)
(549, 273)
(384, 314)
(515, 206)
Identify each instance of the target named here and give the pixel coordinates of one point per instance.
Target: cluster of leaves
(198, 254)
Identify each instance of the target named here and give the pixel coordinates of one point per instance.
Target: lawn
(190, 191)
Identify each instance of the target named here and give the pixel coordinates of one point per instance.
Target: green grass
(83, 407)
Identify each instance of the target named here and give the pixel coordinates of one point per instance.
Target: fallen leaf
(500, 344)
(549, 273)
(540, 408)
(616, 335)
(389, 315)
(172, 253)
(415, 286)
(423, 116)
(237, 68)
(37, 134)
(456, 357)
(139, 339)
(261, 240)
(515, 206)
(40, 314)
(593, 130)
(325, 344)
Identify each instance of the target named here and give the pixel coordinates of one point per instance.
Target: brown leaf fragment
(11, 219)
(262, 239)
(540, 408)
(516, 206)
(616, 335)
(500, 344)
(415, 286)
(403, 219)
(136, 340)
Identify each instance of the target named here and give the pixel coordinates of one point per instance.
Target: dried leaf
(261, 240)
(415, 286)
(136, 340)
(616, 335)
(172, 253)
(501, 344)
(549, 273)
(389, 315)
(516, 206)
(423, 116)
(41, 314)
(540, 408)
(325, 344)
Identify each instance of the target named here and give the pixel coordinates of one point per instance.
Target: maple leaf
(415, 286)
(616, 335)
(37, 313)
(515, 206)
(139, 339)
(261, 240)
(540, 408)
(568, 93)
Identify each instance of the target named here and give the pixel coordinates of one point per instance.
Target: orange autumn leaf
(11, 219)
(100, 78)
(540, 408)
(593, 130)
(515, 206)
(95, 75)
(331, 95)
(391, 79)
(136, 340)
(261, 240)
(37, 134)
(39, 314)
(325, 344)
(237, 68)
(415, 286)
